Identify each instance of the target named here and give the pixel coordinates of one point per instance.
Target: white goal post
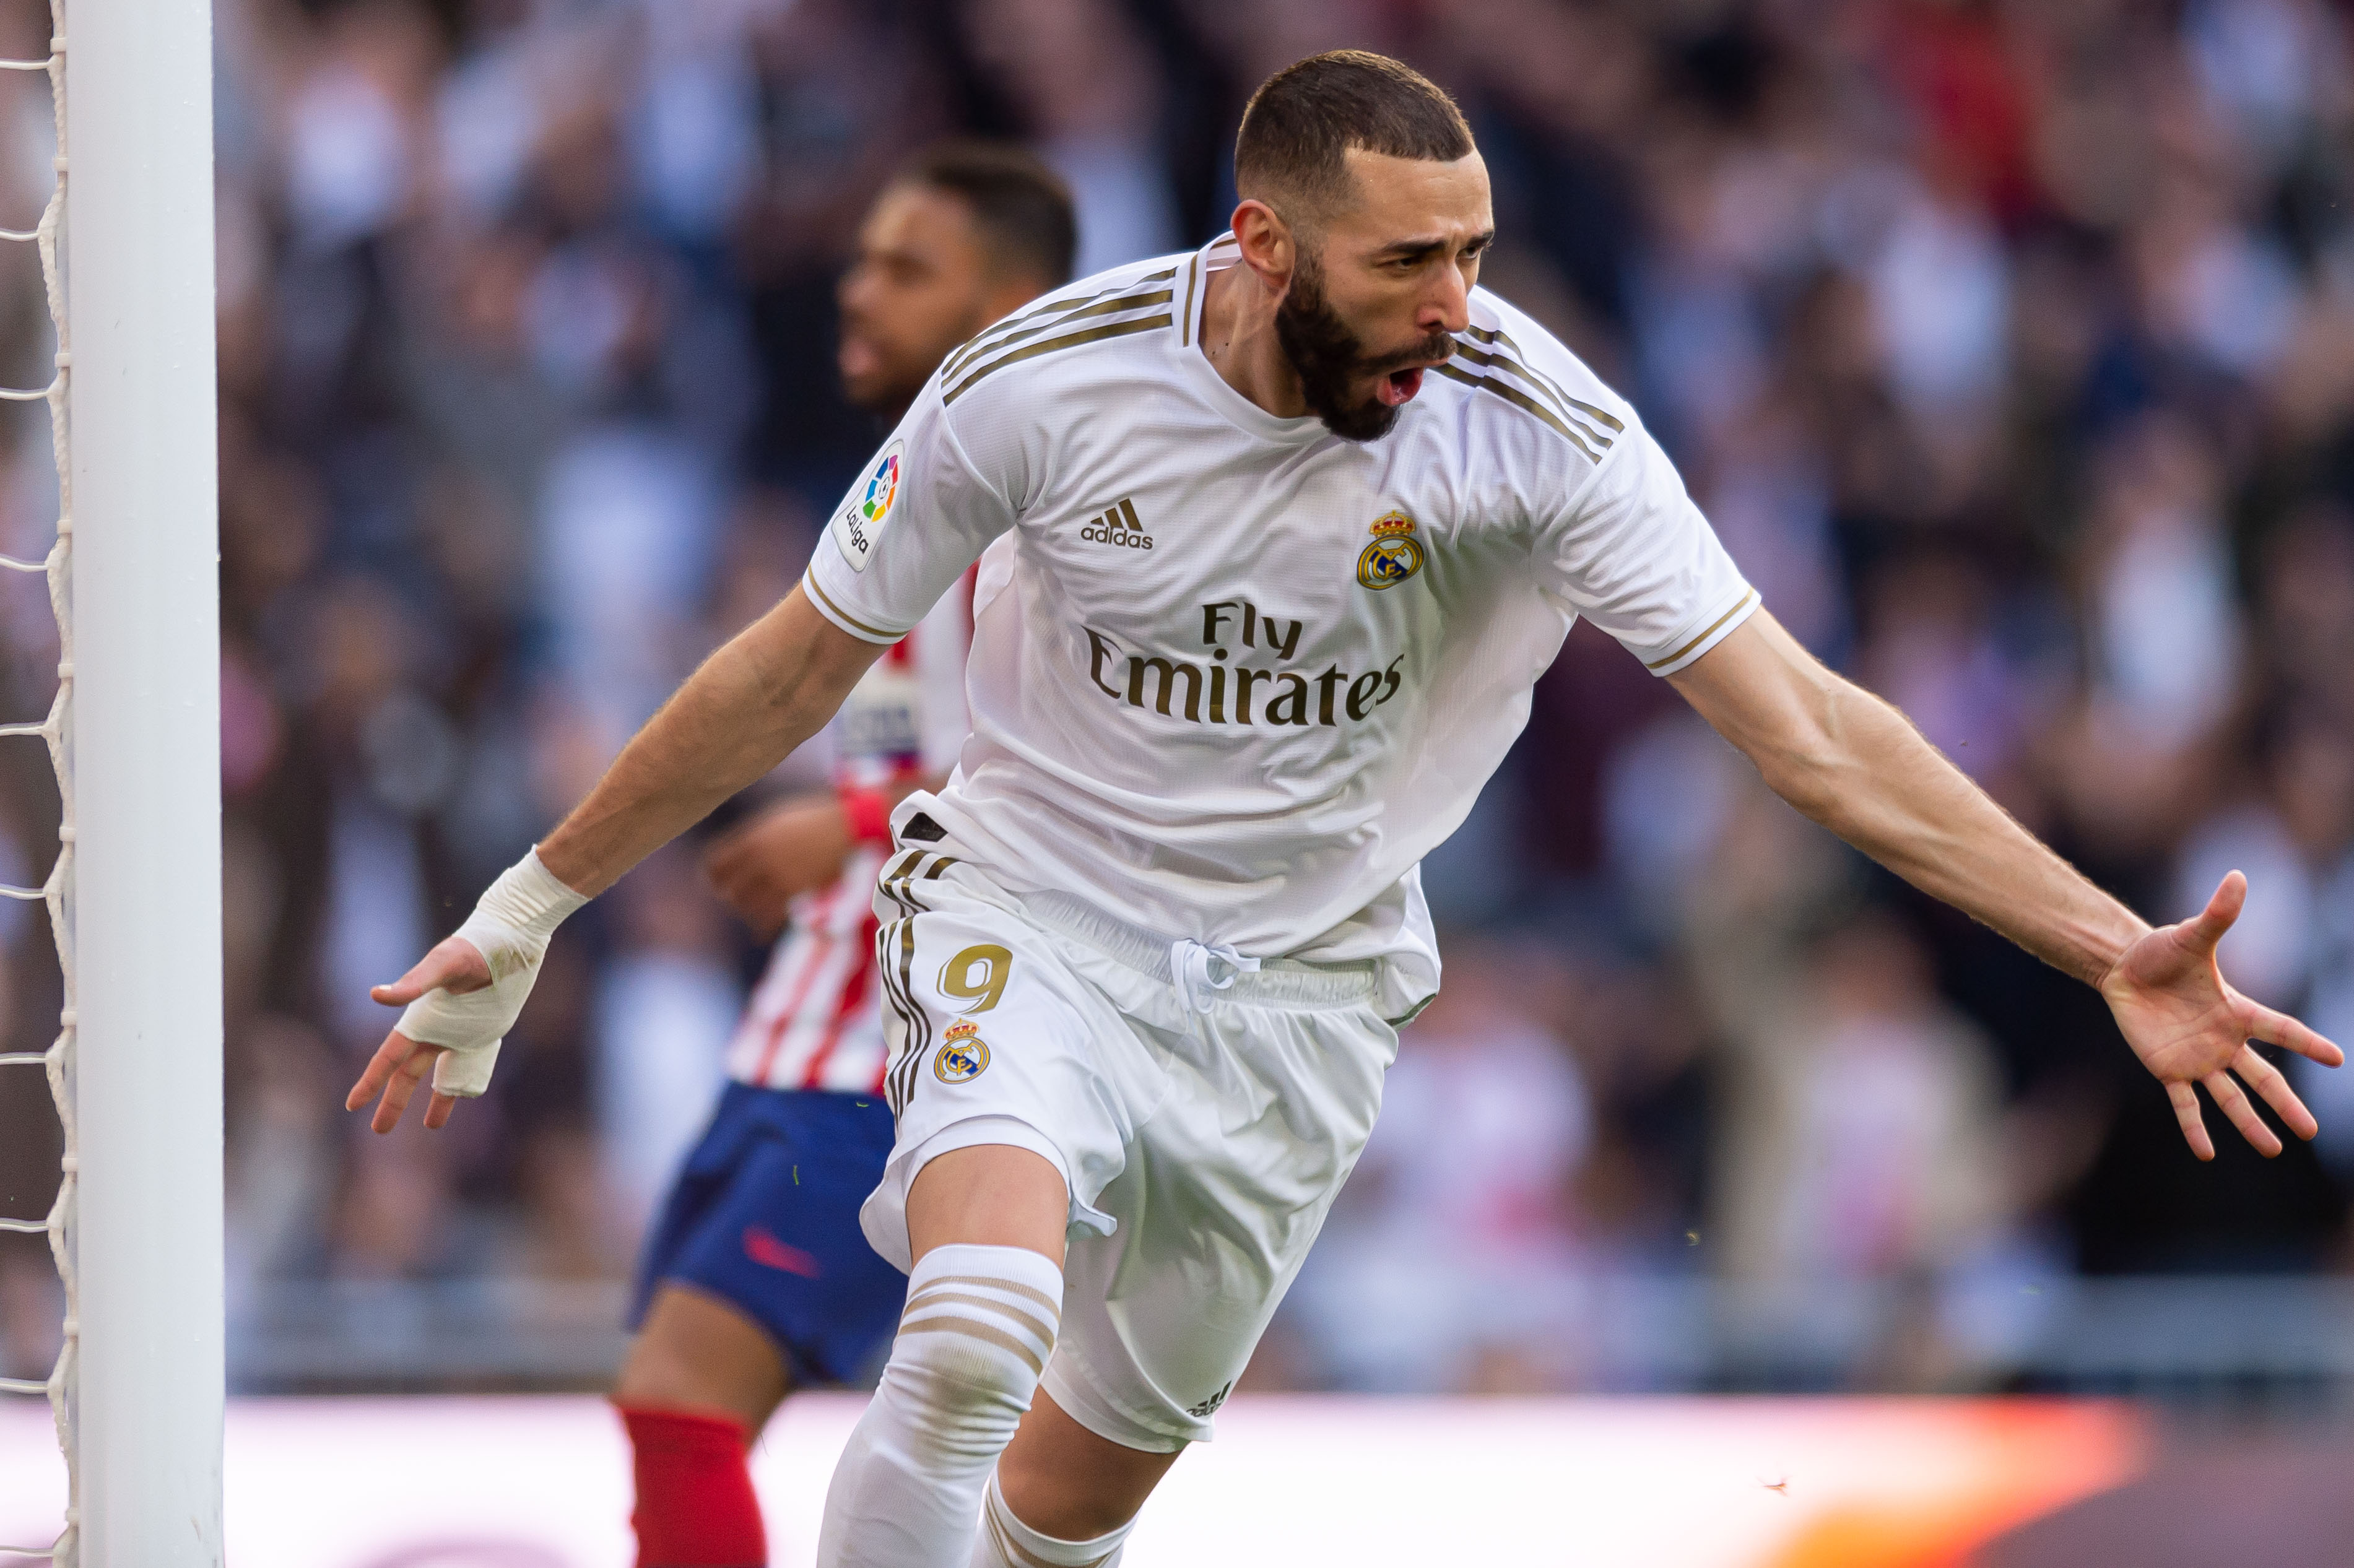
(127, 253)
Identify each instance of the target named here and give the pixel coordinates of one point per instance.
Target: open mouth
(1397, 388)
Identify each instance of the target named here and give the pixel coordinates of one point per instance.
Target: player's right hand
(400, 1064)
(787, 850)
(2189, 1025)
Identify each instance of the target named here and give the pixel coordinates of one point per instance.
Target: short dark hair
(1022, 206)
(1300, 124)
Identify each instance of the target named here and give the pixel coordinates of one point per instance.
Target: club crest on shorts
(1395, 554)
(860, 522)
(963, 1056)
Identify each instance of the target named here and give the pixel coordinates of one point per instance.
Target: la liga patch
(860, 522)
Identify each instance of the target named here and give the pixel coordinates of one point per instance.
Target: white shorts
(1202, 1151)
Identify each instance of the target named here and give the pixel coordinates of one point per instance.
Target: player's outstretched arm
(768, 690)
(1857, 766)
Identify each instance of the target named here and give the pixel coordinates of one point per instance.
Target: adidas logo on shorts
(1210, 1405)
(1118, 526)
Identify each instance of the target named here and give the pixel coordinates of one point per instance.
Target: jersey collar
(1185, 345)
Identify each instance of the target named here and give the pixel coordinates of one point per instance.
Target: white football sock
(1007, 1543)
(980, 1323)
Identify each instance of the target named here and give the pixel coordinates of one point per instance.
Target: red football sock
(695, 1506)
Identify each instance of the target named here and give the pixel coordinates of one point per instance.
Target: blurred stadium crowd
(2009, 346)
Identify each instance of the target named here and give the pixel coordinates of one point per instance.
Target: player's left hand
(400, 1064)
(2189, 1027)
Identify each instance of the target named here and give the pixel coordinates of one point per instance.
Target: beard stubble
(1329, 357)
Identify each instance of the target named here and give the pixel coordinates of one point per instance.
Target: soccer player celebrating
(1297, 519)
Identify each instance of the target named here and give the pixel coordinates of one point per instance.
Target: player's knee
(694, 1353)
(656, 1377)
(980, 1323)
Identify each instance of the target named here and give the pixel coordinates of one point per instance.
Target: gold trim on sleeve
(1709, 631)
(874, 633)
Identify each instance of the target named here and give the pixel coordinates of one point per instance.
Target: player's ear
(1268, 246)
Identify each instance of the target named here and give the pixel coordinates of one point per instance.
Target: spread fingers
(2271, 1086)
(2241, 1115)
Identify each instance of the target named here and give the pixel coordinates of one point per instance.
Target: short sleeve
(1634, 556)
(915, 519)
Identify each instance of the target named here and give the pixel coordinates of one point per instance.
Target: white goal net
(55, 731)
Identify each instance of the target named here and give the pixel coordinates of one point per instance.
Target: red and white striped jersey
(816, 1021)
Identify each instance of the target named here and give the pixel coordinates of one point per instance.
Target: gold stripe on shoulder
(1486, 334)
(1193, 281)
(809, 580)
(1054, 344)
(1102, 308)
(1031, 325)
(1031, 314)
(1038, 317)
(1514, 395)
(1545, 389)
(1706, 632)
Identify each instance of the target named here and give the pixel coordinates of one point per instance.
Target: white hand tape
(510, 928)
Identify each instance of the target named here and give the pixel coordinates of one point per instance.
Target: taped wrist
(510, 928)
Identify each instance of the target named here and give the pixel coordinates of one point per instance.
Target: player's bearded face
(1355, 392)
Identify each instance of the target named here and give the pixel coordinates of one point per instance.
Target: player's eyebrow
(1420, 249)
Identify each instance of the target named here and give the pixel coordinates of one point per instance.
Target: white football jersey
(1244, 675)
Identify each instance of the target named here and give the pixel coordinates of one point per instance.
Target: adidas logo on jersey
(1118, 526)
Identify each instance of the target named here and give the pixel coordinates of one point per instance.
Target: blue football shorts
(764, 1215)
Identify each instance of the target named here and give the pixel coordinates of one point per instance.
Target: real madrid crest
(963, 1056)
(1395, 554)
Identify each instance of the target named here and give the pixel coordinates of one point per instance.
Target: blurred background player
(756, 1277)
